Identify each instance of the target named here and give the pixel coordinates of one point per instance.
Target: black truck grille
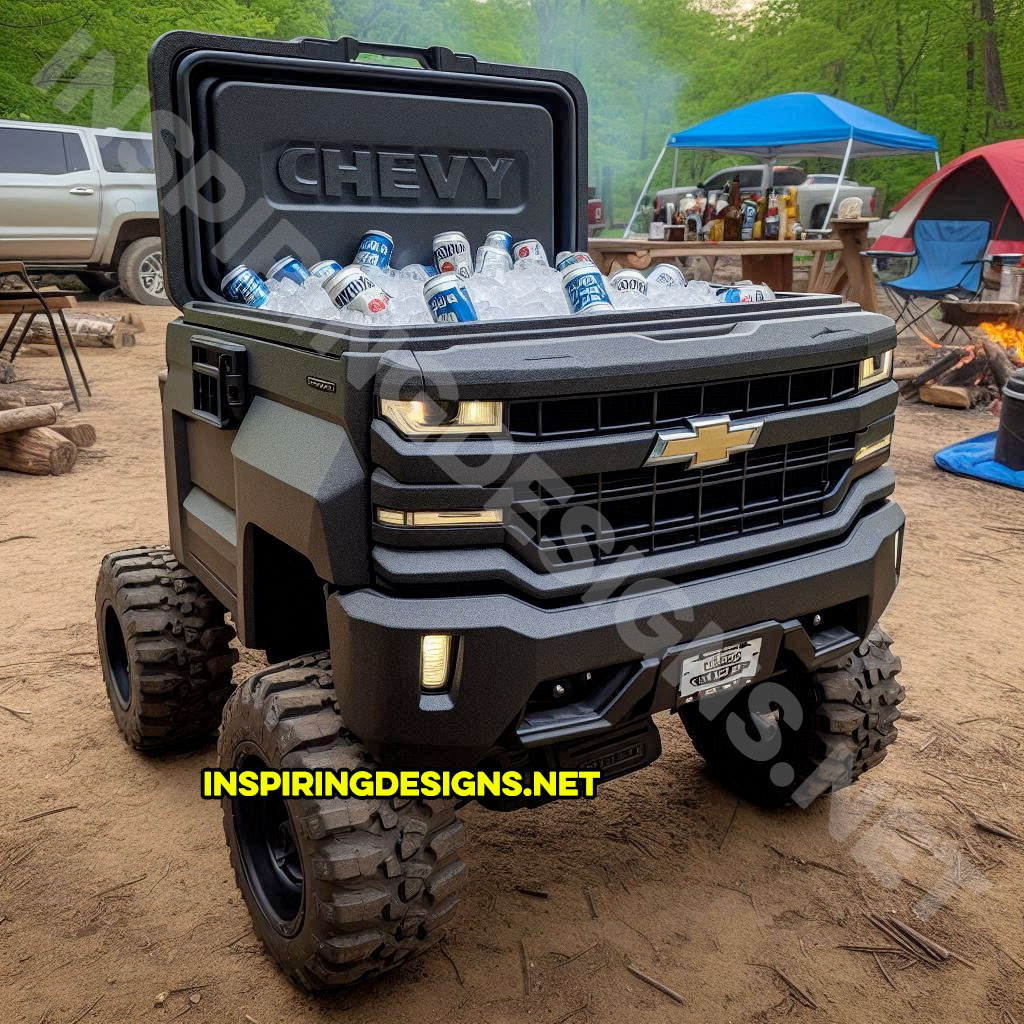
(552, 418)
(664, 508)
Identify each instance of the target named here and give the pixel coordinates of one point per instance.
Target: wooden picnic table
(769, 263)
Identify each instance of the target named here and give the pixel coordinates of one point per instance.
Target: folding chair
(950, 260)
(35, 302)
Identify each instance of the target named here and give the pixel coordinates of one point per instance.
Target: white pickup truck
(813, 191)
(82, 201)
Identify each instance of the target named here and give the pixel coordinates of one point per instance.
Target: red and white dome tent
(986, 183)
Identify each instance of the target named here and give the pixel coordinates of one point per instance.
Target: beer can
(492, 259)
(324, 269)
(375, 249)
(500, 240)
(629, 281)
(529, 251)
(584, 290)
(668, 275)
(245, 286)
(452, 254)
(746, 293)
(567, 259)
(448, 300)
(288, 269)
(351, 289)
(417, 272)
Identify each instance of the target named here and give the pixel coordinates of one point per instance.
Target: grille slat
(664, 508)
(548, 419)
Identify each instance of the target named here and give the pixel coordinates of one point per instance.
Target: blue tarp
(803, 124)
(976, 458)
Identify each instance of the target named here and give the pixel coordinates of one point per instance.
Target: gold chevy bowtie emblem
(710, 441)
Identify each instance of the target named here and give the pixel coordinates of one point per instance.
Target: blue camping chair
(950, 260)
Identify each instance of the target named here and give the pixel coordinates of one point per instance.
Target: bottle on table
(770, 231)
(732, 228)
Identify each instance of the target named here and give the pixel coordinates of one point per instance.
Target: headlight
(426, 417)
(457, 517)
(865, 451)
(875, 369)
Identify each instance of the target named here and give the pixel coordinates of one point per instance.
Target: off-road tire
(164, 649)
(139, 255)
(848, 714)
(379, 877)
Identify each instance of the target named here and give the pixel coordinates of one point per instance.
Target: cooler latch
(220, 381)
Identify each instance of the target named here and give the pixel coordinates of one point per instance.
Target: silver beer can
(492, 260)
(668, 275)
(452, 254)
(351, 289)
(629, 281)
(529, 250)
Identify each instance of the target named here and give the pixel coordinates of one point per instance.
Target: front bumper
(510, 646)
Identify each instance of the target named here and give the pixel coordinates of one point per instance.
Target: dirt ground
(124, 891)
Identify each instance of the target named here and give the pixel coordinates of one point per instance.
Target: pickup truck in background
(82, 201)
(813, 191)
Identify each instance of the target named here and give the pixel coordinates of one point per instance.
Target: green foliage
(954, 68)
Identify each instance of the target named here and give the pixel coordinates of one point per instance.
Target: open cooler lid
(265, 148)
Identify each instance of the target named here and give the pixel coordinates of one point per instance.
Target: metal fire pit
(974, 314)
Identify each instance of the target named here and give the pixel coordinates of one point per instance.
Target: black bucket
(1010, 438)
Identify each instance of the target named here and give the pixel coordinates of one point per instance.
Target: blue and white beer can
(568, 259)
(245, 286)
(746, 293)
(324, 269)
(452, 254)
(351, 289)
(668, 275)
(584, 290)
(375, 249)
(500, 240)
(289, 268)
(629, 281)
(448, 300)
(529, 250)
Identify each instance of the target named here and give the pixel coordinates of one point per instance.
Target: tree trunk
(28, 416)
(995, 86)
(39, 451)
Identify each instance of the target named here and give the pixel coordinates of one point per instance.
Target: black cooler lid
(265, 148)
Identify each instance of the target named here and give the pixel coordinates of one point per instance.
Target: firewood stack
(32, 437)
(967, 376)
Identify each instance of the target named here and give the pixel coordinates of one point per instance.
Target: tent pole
(839, 184)
(938, 162)
(643, 191)
(675, 170)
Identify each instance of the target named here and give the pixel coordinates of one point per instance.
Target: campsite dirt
(124, 891)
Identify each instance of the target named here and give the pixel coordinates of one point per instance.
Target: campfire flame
(1011, 338)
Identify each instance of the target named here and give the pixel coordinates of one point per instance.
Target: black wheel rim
(269, 852)
(117, 657)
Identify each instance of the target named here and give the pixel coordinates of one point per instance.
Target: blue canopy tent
(799, 124)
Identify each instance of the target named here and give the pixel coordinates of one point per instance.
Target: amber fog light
(456, 517)
(436, 660)
(865, 451)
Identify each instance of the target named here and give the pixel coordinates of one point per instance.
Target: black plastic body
(1010, 436)
(559, 664)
